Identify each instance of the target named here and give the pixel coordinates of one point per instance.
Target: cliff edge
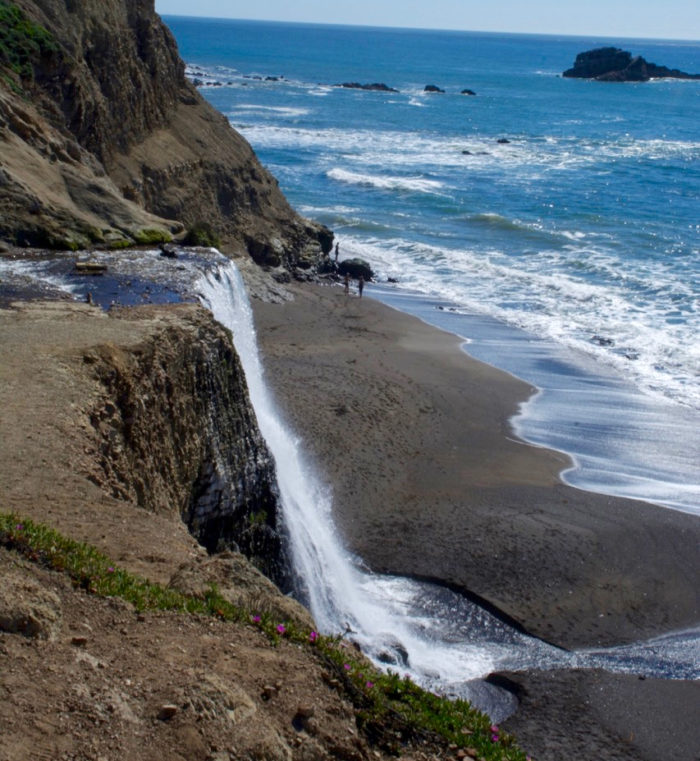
(103, 141)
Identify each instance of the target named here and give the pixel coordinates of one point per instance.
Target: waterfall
(441, 640)
(388, 617)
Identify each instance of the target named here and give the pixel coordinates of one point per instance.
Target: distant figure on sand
(361, 285)
(337, 246)
(347, 284)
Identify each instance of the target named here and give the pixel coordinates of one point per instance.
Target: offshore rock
(432, 88)
(378, 86)
(615, 65)
(104, 141)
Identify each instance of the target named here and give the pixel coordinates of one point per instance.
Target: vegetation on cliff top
(389, 709)
(22, 42)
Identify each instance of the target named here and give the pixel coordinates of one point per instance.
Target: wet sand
(413, 437)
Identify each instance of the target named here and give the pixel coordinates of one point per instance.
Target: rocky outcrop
(178, 436)
(616, 65)
(241, 584)
(104, 140)
(378, 86)
(27, 608)
(433, 88)
(356, 268)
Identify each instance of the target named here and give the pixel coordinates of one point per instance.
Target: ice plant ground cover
(390, 709)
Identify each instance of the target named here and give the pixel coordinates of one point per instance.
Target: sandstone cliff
(103, 140)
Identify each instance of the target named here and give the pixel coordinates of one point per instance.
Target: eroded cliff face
(103, 139)
(177, 435)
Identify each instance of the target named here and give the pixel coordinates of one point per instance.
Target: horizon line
(434, 29)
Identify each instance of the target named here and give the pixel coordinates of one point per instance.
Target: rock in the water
(467, 91)
(356, 268)
(615, 65)
(432, 88)
(379, 86)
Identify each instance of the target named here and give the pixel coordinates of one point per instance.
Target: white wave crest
(412, 184)
(544, 296)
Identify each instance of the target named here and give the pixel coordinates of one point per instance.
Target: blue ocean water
(568, 253)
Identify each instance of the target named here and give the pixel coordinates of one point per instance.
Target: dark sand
(429, 481)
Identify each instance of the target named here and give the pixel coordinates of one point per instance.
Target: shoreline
(413, 436)
(580, 408)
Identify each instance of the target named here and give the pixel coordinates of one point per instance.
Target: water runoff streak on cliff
(442, 640)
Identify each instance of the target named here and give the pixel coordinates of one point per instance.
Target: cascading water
(443, 641)
(383, 614)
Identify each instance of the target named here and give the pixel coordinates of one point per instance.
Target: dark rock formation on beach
(616, 65)
(356, 268)
(379, 86)
(104, 141)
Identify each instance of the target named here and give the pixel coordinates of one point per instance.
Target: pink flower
(346, 666)
(110, 570)
(369, 685)
(256, 619)
(19, 527)
(494, 729)
(313, 636)
(494, 738)
(281, 628)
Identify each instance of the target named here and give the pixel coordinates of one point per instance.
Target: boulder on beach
(356, 268)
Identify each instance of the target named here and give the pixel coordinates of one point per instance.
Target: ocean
(552, 223)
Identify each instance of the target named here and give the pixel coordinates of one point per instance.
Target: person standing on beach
(347, 284)
(360, 285)
(337, 246)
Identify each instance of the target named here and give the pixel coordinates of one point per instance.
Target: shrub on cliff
(22, 42)
(202, 234)
(391, 711)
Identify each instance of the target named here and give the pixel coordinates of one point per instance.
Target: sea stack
(616, 65)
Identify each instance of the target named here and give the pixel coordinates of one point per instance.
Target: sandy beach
(413, 437)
